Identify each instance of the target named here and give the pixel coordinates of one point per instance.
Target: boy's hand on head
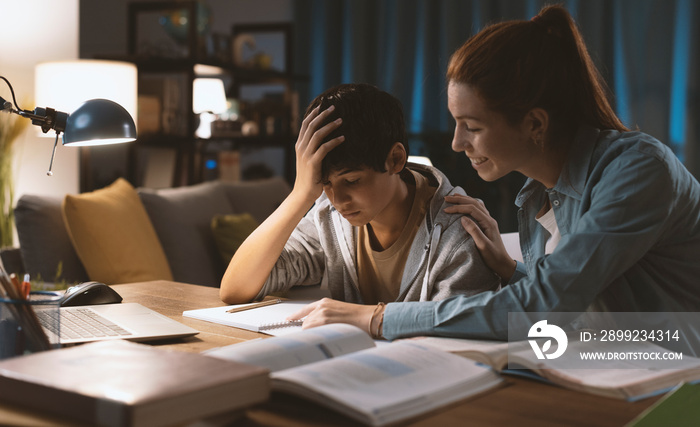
(310, 152)
(484, 230)
(326, 310)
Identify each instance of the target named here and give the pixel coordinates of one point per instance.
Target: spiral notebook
(268, 319)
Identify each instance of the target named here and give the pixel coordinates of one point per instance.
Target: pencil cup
(20, 325)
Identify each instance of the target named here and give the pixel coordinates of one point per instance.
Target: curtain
(646, 49)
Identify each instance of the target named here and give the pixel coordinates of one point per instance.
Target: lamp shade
(99, 122)
(208, 96)
(66, 85)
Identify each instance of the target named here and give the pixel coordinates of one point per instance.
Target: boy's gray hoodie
(443, 260)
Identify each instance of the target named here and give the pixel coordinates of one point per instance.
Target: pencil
(251, 306)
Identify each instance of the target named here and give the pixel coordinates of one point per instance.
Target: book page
(387, 383)
(616, 378)
(299, 348)
(492, 353)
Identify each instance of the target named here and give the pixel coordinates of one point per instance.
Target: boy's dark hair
(372, 122)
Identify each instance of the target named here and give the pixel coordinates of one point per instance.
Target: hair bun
(555, 19)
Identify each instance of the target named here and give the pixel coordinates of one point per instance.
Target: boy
(378, 231)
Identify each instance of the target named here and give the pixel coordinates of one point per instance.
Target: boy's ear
(396, 159)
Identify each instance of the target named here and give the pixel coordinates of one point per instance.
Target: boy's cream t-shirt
(380, 272)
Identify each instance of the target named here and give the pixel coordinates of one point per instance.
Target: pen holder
(20, 328)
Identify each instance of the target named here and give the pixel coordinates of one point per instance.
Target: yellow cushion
(230, 231)
(113, 236)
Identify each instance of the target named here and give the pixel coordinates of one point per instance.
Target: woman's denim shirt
(629, 216)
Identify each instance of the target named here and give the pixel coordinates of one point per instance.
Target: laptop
(129, 321)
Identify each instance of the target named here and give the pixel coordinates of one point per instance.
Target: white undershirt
(549, 222)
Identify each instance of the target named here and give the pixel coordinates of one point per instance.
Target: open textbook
(340, 366)
(622, 378)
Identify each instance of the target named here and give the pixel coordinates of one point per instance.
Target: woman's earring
(539, 141)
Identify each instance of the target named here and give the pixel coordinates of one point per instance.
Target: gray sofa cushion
(44, 241)
(182, 219)
(258, 198)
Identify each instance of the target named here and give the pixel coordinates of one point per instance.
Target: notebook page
(253, 319)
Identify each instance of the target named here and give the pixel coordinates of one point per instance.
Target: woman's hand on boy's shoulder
(484, 230)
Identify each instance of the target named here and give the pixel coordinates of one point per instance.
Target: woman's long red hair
(515, 66)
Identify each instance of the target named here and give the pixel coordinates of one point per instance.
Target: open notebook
(129, 321)
(269, 319)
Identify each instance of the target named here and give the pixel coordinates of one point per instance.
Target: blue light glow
(572, 7)
(531, 9)
(387, 68)
(416, 124)
(622, 95)
(347, 52)
(318, 50)
(679, 79)
(476, 17)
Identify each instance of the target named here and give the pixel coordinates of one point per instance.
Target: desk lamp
(95, 122)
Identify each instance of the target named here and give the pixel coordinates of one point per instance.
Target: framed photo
(167, 29)
(265, 46)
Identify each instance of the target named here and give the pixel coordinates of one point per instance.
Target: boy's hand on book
(310, 151)
(484, 230)
(328, 310)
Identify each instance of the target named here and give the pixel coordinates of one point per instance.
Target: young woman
(609, 219)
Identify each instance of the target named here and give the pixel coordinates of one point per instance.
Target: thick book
(622, 379)
(339, 366)
(268, 317)
(121, 383)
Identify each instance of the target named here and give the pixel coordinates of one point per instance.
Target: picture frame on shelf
(265, 46)
(164, 30)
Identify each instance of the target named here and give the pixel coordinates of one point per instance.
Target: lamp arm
(4, 103)
(46, 118)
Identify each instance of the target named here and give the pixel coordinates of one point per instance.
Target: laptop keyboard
(81, 323)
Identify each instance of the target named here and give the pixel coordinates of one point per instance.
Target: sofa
(183, 231)
(122, 234)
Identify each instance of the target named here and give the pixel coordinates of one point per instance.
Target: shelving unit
(177, 67)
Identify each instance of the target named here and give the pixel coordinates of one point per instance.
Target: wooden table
(518, 401)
